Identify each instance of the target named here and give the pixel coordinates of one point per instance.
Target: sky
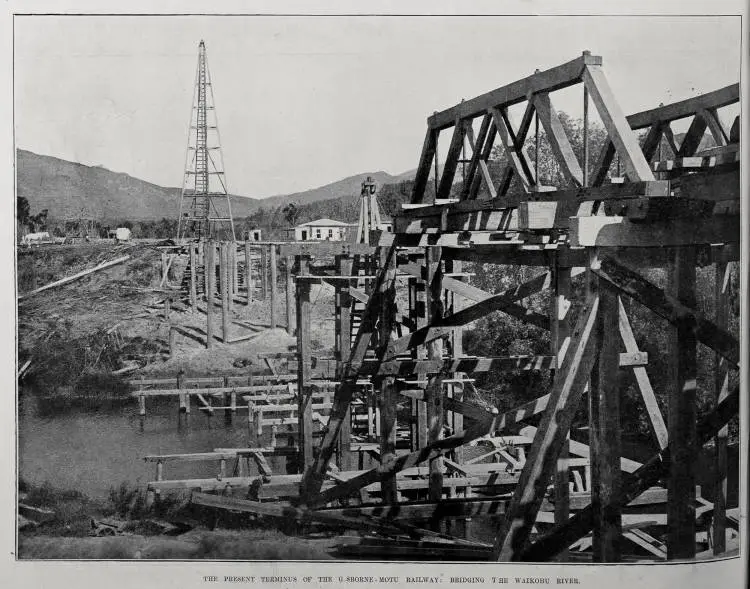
(304, 101)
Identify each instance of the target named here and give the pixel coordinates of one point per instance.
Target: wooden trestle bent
(593, 230)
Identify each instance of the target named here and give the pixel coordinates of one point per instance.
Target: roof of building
(325, 223)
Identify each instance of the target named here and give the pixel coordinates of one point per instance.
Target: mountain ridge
(69, 189)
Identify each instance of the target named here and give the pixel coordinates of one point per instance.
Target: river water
(94, 450)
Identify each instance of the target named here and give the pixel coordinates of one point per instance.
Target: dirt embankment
(79, 334)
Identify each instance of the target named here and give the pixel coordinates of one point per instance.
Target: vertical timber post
(235, 269)
(171, 333)
(193, 274)
(387, 384)
(164, 267)
(225, 295)
(457, 389)
(229, 269)
(264, 271)
(560, 340)
(414, 423)
(210, 269)
(721, 375)
(434, 391)
(228, 413)
(422, 313)
(289, 295)
(274, 298)
(344, 266)
(682, 414)
(457, 350)
(251, 431)
(604, 428)
(172, 339)
(304, 364)
(248, 274)
(204, 257)
(184, 397)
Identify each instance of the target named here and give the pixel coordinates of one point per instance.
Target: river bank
(61, 524)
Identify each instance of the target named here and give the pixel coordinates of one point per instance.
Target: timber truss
(677, 213)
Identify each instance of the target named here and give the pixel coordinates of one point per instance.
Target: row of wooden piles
(541, 492)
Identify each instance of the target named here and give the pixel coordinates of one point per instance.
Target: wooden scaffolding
(401, 307)
(673, 213)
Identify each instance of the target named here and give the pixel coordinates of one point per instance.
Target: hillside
(348, 187)
(66, 187)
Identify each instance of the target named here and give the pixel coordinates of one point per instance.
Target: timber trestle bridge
(397, 390)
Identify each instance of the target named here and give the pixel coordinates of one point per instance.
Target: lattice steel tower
(205, 210)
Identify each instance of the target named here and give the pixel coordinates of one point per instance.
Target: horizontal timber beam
(549, 80)
(371, 524)
(594, 193)
(615, 231)
(325, 248)
(530, 255)
(685, 108)
(580, 449)
(472, 507)
(483, 364)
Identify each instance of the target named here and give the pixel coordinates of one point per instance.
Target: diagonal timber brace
(557, 139)
(504, 301)
(451, 160)
(618, 129)
(553, 430)
(646, 476)
(425, 164)
(520, 138)
(634, 285)
(582, 343)
(656, 419)
(513, 149)
(444, 326)
(487, 303)
(484, 155)
(478, 160)
(315, 475)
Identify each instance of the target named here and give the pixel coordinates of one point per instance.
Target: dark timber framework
(667, 213)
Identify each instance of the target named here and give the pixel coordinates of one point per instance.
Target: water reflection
(93, 449)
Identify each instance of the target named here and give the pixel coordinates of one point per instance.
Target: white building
(323, 230)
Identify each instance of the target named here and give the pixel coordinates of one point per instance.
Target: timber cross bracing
(587, 227)
(676, 208)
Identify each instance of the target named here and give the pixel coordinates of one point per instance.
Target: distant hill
(66, 187)
(348, 187)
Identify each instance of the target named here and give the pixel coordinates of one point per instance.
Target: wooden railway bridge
(675, 212)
